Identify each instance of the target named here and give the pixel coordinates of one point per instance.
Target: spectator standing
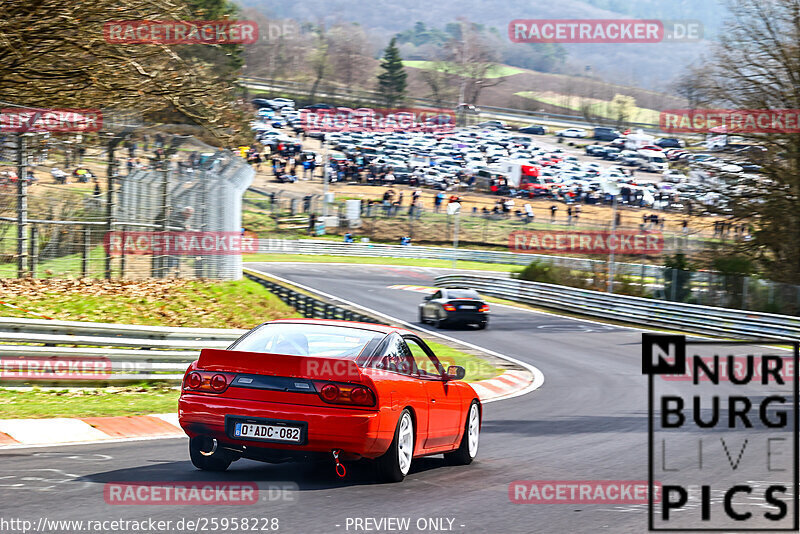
(508, 205)
(529, 215)
(437, 202)
(553, 210)
(312, 224)
(399, 203)
(388, 196)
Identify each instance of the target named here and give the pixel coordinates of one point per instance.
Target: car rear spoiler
(263, 363)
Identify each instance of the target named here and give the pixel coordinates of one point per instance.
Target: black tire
(462, 455)
(388, 466)
(482, 325)
(219, 461)
(422, 317)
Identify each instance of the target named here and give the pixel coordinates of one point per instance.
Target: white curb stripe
(171, 418)
(48, 431)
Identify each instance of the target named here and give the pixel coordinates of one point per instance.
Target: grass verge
(190, 303)
(414, 262)
(44, 403)
(477, 368)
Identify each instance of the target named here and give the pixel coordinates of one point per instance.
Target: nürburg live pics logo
(722, 434)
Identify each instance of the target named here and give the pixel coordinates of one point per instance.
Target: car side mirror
(456, 372)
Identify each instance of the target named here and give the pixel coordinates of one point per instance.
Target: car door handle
(433, 401)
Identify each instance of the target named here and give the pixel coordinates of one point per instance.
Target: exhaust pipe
(207, 446)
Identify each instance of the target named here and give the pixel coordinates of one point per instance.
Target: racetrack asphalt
(587, 422)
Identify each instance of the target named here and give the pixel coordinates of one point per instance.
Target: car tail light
(219, 382)
(194, 380)
(208, 382)
(484, 308)
(329, 392)
(449, 307)
(352, 394)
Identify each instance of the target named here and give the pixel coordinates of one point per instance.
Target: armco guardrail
(689, 317)
(47, 326)
(128, 353)
(40, 350)
(320, 247)
(306, 305)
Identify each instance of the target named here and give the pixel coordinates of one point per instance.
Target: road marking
(417, 289)
(89, 442)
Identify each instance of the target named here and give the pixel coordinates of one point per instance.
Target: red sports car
(306, 389)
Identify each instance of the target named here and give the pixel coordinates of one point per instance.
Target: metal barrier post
(87, 244)
(33, 247)
(744, 292)
(122, 260)
(22, 205)
(674, 295)
(110, 200)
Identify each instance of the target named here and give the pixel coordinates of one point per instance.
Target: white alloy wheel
(405, 443)
(474, 430)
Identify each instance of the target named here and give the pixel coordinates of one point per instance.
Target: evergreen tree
(227, 58)
(392, 81)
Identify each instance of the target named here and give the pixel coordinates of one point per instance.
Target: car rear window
(322, 341)
(462, 294)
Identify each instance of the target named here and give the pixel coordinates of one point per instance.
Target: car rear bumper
(357, 432)
(466, 317)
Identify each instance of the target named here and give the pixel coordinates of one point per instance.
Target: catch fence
(173, 209)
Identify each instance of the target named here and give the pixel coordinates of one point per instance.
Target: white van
(652, 161)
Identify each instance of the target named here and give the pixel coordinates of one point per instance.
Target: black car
(749, 166)
(261, 103)
(595, 150)
(497, 125)
(603, 133)
(669, 142)
(454, 306)
(534, 129)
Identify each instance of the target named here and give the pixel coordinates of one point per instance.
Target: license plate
(290, 434)
(468, 307)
